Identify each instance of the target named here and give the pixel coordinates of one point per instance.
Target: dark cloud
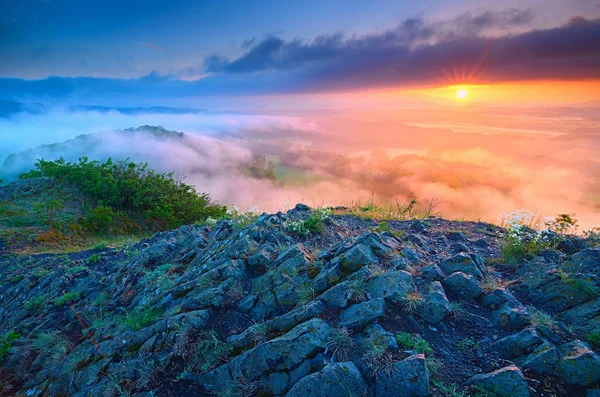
(483, 48)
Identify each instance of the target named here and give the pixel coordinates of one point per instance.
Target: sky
(486, 106)
(155, 51)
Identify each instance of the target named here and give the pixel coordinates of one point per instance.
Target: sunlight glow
(461, 94)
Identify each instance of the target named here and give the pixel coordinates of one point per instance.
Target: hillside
(307, 303)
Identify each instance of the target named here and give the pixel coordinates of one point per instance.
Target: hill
(307, 303)
(164, 150)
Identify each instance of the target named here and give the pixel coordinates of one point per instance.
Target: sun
(461, 94)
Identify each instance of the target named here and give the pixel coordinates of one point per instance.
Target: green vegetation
(410, 342)
(538, 317)
(140, 318)
(35, 304)
(53, 344)
(412, 301)
(409, 209)
(594, 339)
(380, 361)
(340, 344)
(468, 344)
(94, 258)
(67, 298)
(357, 291)
(6, 343)
(209, 351)
(311, 225)
(120, 188)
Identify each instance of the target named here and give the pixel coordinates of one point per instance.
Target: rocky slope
(423, 308)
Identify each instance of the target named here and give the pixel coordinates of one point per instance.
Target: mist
(478, 163)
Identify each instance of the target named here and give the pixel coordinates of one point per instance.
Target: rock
(374, 336)
(511, 317)
(262, 258)
(436, 306)
(457, 236)
(505, 382)
(571, 245)
(380, 245)
(498, 297)
(335, 380)
(417, 226)
(579, 365)
(411, 255)
(409, 378)
(431, 273)
(543, 359)
(519, 344)
(355, 258)
(463, 285)
(393, 286)
(464, 263)
(361, 314)
(271, 362)
(336, 296)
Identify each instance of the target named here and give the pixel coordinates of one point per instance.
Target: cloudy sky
(56, 49)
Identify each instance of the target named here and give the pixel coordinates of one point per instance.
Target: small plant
(592, 237)
(412, 301)
(311, 225)
(140, 318)
(238, 218)
(468, 344)
(258, 333)
(67, 298)
(357, 291)
(75, 270)
(53, 344)
(452, 390)
(538, 317)
(306, 293)
(35, 304)
(380, 361)
(383, 227)
(489, 284)
(6, 343)
(240, 388)
(210, 350)
(340, 344)
(594, 339)
(94, 258)
(562, 224)
(408, 341)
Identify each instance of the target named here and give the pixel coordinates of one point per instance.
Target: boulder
(579, 365)
(462, 262)
(436, 306)
(520, 344)
(272, 362)
(361, 314)
(431, 273)
(392, 286)
(375, 336)
(335, 380)
(505, 382)
(511, 317)
(463, 285)
(409, 378)
(355, 258)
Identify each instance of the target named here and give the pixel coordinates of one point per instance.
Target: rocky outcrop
(254, 309)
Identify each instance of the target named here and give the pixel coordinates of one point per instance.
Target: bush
(67, 298)
(407, 341)
(157, 198)
(6, 342)
(141, 318)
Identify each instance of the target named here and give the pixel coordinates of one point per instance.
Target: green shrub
(157, 198)
(68, 297)
(594, 339)
(141, 317)
(311, 225)
(95, 258)
(6, 343)
(35, 304)
(515, 250)
(407, 341)
(210, 350)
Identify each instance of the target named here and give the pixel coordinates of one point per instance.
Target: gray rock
(355, 258)
(361, 314)
(511, 317)
(431, 273)
(392, 286)
(498, 297)
(579, 364)
(271, 362)
(409, 378)
(463, 285)
(336, 296)
(458, 237)
(462, 262)
(336, 380)
(519, 344)
(375, 336)
(543, 359)
(436, 306)
(411, 255)
(505, 382)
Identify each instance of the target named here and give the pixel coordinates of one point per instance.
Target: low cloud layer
(489, 47)
(336, 158)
